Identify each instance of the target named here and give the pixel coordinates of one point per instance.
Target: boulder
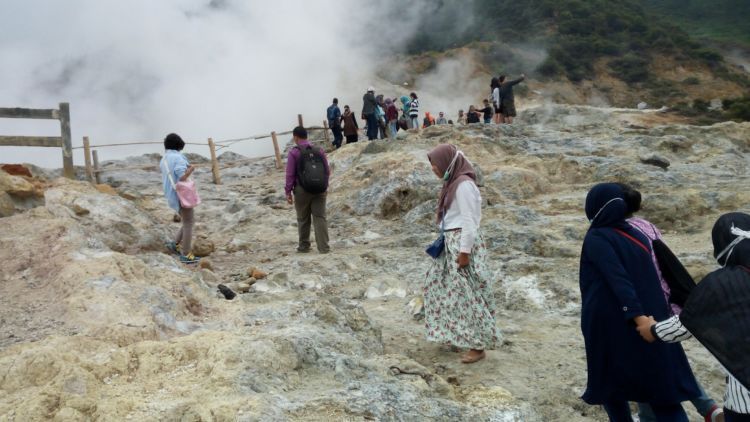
(17, 170)
(655, 160)
(17, 186)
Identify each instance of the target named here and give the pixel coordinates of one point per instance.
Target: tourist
(334, 122)
(461, 117)
(507, 101)
(351, 128)
(703, 404)
(391, 114)
(458, 295)
(620, 289)
(495, 97)
(307, 174)
(369, 113)
(441, 120)
(428, 120)
(717, 313)
(472, 116)
(380, 113)
(414, 111)
(486, 111)
(175, 167)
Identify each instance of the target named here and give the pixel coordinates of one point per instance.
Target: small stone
(251, 281)
(243, 287)
(79, 210)
(105, 188)
(655, 160)
(206, 264)
(203, 246)
(256, 273)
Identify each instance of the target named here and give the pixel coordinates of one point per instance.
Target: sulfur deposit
(98, 322)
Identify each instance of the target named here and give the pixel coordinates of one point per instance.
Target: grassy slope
(726, 21)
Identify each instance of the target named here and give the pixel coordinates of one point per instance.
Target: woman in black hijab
(717, 313)
(620, 289)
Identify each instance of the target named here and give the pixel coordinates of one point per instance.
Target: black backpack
(311, 170)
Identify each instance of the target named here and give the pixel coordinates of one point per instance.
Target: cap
(370, 89)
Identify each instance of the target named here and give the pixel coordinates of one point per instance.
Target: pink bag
(186, 191)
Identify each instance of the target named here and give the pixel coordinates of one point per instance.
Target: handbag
(436, 248)
(186, 191)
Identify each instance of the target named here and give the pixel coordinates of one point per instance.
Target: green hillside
(575, 33)
(726, 21)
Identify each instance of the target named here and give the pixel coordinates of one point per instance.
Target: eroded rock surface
(99, 322)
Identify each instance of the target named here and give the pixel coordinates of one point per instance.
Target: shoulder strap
(634, 240)
(169, 172)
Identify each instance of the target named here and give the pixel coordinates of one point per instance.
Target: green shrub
(691, 81)
(630, 68)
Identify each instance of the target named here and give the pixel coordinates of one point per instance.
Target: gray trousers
(184, 237)
(309, 207)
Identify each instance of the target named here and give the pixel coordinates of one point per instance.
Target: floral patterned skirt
(458, 304)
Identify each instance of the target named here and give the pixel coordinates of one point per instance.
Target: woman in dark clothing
(620, 289)
(351, 129)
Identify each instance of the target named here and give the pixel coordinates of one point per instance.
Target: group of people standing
(384, 118)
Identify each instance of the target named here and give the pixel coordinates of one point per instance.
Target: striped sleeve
(671, 330)
(737, 397)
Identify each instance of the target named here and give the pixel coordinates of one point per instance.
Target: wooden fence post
(87, 158)
(276, 149)
(299, 120)
(325, 132)
(214, 162)
(67, 145)
(97, 178)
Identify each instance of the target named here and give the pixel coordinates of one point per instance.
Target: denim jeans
(620, 412)
(703, 404)
(372, 126)
(392, 128)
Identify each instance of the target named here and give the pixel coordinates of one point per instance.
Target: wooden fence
(63, 141)
(94, 170)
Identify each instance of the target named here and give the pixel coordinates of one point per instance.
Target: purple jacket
(291, 166)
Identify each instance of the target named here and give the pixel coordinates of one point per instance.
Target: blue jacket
(176, 163)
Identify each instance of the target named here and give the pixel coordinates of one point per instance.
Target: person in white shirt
(458, 301)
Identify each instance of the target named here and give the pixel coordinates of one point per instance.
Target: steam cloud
(136, 70)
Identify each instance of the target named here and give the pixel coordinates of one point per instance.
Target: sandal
(189, 259)
(173, 247)
(474, 357)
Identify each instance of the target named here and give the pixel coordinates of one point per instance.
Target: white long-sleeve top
(496, 97)
(465, 213)
(736, 397)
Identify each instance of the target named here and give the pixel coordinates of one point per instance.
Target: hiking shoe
(716, 414)
(189, 259)
(226, 291)
(173, 247)
(299, 250)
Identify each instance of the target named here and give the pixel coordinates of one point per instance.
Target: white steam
(140, 69)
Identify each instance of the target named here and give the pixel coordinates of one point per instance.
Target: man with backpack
(307, 174)
(334, 122)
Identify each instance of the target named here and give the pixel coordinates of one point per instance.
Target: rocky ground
(98, 322)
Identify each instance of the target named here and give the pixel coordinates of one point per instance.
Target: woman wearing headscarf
(458, 302)
(619, 289)
(405, 104)
(717, 313)
(351, 128)
(706, 406)
(391, 114)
